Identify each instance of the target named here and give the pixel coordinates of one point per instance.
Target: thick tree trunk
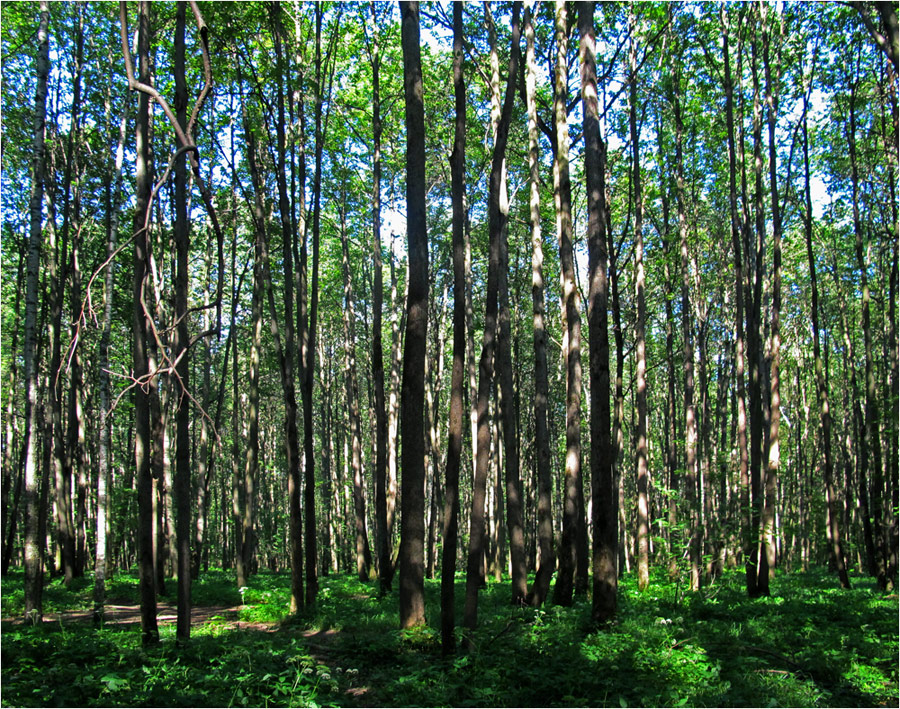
(412, 498)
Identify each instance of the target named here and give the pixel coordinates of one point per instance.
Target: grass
(810, 644)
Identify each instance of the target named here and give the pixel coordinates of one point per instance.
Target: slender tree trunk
(641, 446)
(871, 438)
(34, 546)
(382, 536)
(547, 566)
(149, 629)
(690, 443)
(740, 391)
(412, 497)
(286, 354)
(767, 554)
(834, 531)
(754, 339)
(504, 363)
(496, 226)
(363, 554)
(604, 496)
(182, 353)
(562, 593)
(450, 530)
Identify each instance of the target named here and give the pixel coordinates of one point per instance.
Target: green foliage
(812, 645)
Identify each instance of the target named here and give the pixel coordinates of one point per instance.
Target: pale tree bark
(58, 271)
(640, 345)
(34, 546)
(547, 566)
(690, 433)
(767, 553)
(12, 464)
(412, 496)
(604, 496)
(562, 593)
(450, 530)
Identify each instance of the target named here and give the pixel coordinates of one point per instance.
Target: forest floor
(810, 644)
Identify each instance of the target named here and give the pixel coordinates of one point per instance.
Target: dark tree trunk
(604, 496)
(412, 496)
(496, 226)
(182, 353)
(450, 531)
(382, 535)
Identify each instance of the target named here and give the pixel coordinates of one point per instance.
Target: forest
(445, 353)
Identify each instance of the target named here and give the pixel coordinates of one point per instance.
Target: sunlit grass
(809, 645)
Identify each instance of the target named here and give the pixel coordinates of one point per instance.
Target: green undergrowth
(810, 644)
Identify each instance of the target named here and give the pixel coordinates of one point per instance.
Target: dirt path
(166, 614)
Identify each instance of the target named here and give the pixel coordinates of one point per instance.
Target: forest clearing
(499, 353)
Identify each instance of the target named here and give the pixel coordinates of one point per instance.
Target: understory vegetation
(809, 644)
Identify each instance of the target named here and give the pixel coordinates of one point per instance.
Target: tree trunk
(834, 530)
(562, 593)
(149, 629)
(182, 353)
(604, 496)
(34, 546)
(412, 497)
(450, 530)
(767, 553)
(382, 536)
(740, 391)
(690, 443)
(641, 446)
(496, 225)
(547, 566)
(870, 448)
(363, 554)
